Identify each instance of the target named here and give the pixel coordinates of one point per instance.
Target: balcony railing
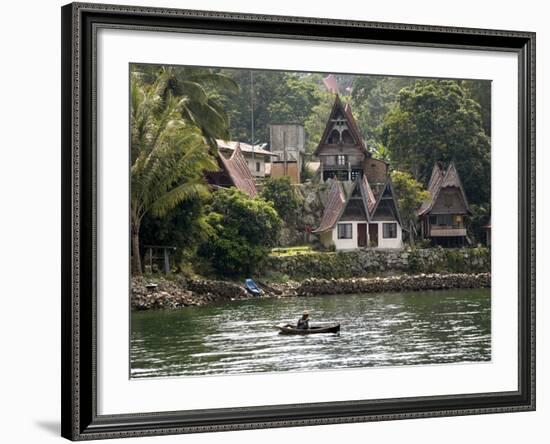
(345, 167)
(447, 231)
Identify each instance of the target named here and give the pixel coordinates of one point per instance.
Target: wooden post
(166, 261)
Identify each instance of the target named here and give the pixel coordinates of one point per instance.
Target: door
(373, 235)
(361, 235)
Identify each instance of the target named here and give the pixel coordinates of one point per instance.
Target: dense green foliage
(316, 121)
(168, 153)
(436, 120)
(182, 227)
(200, 106)
(283, 197)
(480, 218)
(372, 98)
(240, 232)
(266, 97)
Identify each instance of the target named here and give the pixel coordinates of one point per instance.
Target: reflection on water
(377, 330)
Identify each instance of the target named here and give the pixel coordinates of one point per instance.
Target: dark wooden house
(342, 152)
(442, 216)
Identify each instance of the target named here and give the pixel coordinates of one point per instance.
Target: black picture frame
(80, 420)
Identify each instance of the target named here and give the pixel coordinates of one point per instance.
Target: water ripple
(377, 330)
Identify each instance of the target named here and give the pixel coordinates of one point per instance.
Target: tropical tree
(268, 97)
(168, 155)
(281, 193)
(372, 97)
(437, 120)
(315, 123)
(241, 232)
(203, 106)
(410, 194)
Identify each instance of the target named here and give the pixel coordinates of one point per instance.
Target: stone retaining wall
(179, 293)
(365, 263)
(422, 282)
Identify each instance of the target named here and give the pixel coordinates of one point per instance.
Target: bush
(281, 193)
(240, 232)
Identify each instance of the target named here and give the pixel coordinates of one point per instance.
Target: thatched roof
(439, 180)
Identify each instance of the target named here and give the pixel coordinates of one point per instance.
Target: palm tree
(199, 85)
(169, 155)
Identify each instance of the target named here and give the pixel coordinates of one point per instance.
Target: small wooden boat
(252, 288)
(289, 329)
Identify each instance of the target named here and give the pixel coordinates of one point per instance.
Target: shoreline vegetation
(180, 292)
(293, 272)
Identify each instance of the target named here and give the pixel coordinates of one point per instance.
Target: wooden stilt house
(442, 216)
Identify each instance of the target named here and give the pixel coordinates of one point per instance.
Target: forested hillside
(409, 122)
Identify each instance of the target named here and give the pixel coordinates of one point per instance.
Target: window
(257, 167)
(341, 159)
(355, 174)
(344, 231)
(389, 230)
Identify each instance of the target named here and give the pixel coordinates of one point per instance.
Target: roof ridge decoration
(352, 126)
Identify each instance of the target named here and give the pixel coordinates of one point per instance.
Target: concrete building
(287, 143)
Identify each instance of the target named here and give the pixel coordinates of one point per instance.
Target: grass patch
(292, 251)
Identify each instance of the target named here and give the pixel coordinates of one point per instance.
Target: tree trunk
(136, 257)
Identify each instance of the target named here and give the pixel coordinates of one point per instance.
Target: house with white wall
(355, 217)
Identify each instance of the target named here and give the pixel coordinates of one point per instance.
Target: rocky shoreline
(160, 293)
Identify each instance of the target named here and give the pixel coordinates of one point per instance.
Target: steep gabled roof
(338, 200)
(368, 195)
(388, 187)
(237, 170)
(334, 207)
(440, 180)
(337, 108)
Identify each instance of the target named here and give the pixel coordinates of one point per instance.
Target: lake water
(381, 329)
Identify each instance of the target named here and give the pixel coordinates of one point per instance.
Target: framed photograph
(280, 221)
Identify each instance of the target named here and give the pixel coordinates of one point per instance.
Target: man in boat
(303, 322)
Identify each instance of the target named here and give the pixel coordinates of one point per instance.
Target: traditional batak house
(255, 156)
(233, 172)
(360, 209)
(443, 214)
(355, 217)
(342, 152)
